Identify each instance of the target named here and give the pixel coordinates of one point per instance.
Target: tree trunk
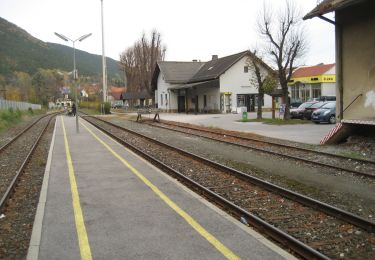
(260, 98)
(286, 101)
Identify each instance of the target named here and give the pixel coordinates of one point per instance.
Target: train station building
(355, 67)
(223, 85)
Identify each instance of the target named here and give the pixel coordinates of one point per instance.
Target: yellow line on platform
(201, 230)
(84, 246)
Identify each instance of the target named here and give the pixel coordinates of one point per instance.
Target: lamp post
(74, 67)
(103, 59)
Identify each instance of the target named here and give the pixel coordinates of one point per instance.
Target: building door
(196, 107)
(181, 104)
(250, 102)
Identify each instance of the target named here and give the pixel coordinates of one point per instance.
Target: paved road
(305, 133)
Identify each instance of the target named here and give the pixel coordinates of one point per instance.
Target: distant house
(91, 89)
(115, 96)
(137, 99)
(312, 82)
(355, 57)
(219, 85)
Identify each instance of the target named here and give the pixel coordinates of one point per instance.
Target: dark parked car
(298, 112)
(308, 111)
(327, 113)
(327, 98)
(295, 104)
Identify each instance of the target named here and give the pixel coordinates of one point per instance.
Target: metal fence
(5, 104)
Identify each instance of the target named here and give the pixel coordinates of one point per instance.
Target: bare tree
(139, 61)
(264, 79)
(285, 42)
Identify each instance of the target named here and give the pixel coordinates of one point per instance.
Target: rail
(12, 185)
(308, 161)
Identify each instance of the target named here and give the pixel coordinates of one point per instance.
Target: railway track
(336, 162)
(310, 228)
(15, 155)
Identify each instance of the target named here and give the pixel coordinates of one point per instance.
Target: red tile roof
(312, 70)
(117, 93)
(117, 90)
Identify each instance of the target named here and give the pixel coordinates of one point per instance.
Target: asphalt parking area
(304, 133)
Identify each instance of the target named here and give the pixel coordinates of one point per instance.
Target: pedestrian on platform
(74, 109)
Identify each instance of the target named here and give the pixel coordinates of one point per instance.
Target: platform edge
(33, 251)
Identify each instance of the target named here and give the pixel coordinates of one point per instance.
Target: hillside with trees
(20, 51)
(35, 71)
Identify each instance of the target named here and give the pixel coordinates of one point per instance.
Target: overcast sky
(193, 29)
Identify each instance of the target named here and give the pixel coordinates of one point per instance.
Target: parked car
(327, 98)
(298, 112)
(117, 106)
(327, 113)
(295, 104)
(308, 111)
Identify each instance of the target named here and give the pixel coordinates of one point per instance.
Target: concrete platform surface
(125, 208)
(304, 133)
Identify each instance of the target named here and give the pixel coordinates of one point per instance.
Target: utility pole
(104, 60)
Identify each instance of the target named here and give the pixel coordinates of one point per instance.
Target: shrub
(107, 108)
(97, 106)
(18, 113)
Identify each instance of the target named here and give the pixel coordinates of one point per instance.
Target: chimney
(215, 57)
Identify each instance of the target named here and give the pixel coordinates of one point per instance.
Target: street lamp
(74, 67)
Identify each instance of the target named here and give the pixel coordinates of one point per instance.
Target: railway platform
(99, 200)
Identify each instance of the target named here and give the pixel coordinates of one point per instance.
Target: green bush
(9, 117)
(96, 106)
(18, 113)
(107, 108)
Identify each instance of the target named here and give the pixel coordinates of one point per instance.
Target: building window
(305, 93)
(161, 99)
(204, 101)
(316, 91)
(246, 69)
(166, 99)
(240, 100)
(295, 93)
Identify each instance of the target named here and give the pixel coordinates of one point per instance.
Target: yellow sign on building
(314, 79)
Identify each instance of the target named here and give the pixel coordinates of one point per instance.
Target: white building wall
(328, 89)
(235, 80)
(162, 89)
(331, 71)
(213, 98)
